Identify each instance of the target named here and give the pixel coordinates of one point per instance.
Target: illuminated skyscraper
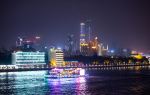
(90, 45)
(83, 42)
(88, 30)
(70, 45)
(28, 58)
(93, 47)
(56, 57)
(82, 33)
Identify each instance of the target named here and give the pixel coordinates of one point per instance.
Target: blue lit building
(28, 58)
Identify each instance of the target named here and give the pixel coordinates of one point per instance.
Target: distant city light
(59, 48)
(139, 56)
(112, 51)
(82, 24)
(125, 50)
(134, 52)
(28, 41)
(141, 53)
(21, 39)
(96, 38)
(94, 47)
(37, 37)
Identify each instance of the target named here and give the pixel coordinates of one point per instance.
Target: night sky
(119, 23)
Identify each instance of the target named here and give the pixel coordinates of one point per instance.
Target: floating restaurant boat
(66, 73)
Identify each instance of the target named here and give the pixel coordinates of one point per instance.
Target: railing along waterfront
(11, 68)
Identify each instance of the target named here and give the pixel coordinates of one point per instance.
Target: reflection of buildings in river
(19, 82)
(61, 84)
(6, 82)
(54, 86)
(61, 81)
(137, 68)
(29, 82)
(81, 86)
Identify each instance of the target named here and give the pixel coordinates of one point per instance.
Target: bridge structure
(17, 68)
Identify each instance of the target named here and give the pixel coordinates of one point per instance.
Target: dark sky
(120, 23)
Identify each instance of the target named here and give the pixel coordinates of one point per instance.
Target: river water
(99, 82)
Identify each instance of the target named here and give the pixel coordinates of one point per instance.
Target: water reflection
(20, 82)
(113, 81)
(62, 85)
(81, 86)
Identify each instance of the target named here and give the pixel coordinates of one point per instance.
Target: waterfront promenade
(16, 68)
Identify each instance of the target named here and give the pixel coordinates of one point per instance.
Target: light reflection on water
(60, 81)
(22, 83)
(68, 86)
(100, 82)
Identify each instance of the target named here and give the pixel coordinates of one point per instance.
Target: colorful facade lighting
(56, 57)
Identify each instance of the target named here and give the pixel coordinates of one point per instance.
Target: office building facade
(28, 57)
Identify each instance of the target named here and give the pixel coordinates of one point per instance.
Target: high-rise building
(82, 33)
(88, 30)
(70, 46)
(89, 45)
(99, 50)
(28, 58)
(83, 41)
(94, 47)
(56, 57)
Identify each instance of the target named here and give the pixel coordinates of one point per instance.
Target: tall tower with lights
(83, 41)
(90, 45)
(82, 33)
(88, 30)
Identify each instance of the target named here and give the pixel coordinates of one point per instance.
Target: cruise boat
(66, 73)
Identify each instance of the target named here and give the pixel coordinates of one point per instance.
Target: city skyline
(118, 23)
